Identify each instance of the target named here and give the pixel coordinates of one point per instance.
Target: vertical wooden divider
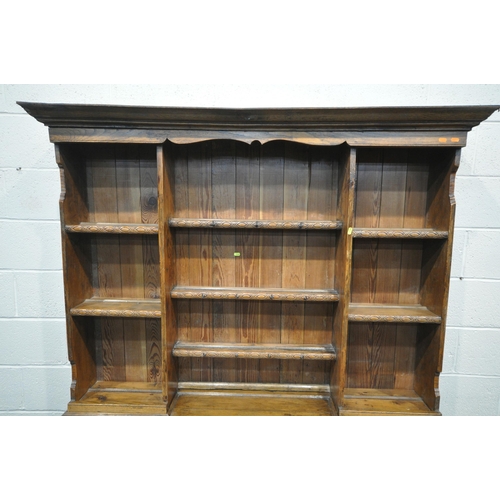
(343, 265)
(167, 270)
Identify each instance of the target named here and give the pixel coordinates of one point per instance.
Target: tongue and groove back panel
(274, 181)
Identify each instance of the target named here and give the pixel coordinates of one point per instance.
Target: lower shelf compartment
(250, 403)
(384, 402)
(120, 398)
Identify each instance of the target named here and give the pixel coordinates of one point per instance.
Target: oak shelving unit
(256, 262)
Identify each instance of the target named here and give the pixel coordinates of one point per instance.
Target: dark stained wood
(458, 118)
(302, 263)
(78, 271)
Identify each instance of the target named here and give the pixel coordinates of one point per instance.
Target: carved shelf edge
(374, 318)
(399, 233)
(112, 228)
(377, 313)
(254, 294)
(118, 308)
(254, 224)
(253, 351)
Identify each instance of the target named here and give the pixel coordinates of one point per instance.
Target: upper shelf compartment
(279, 185)
(110, 188)
(403, 192)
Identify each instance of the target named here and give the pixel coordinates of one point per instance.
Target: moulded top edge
(373, 118)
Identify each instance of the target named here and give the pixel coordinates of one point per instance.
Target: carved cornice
(375, 118)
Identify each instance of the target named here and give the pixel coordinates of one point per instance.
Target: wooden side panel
(77, 271)
(436, 272)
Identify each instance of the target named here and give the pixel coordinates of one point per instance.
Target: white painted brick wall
(34, 371)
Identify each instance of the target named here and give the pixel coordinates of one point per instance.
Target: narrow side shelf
(384, 402)
(255, 224)
(120, 398)
(392, 313)
(112, 228)
(254, 351)
(243, 293)
(379, 232)
(134, 308)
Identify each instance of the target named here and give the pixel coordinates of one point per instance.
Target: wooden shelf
(133, 308)
(112, 228)
(364, 402)
(250, 403)
(120, 398)
(254, 351)
(255, 224)
(392, 313)
(242, 293)
(380, 232)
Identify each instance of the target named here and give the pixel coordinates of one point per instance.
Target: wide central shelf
(244, 293)
(250, 403)
(255, 224)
